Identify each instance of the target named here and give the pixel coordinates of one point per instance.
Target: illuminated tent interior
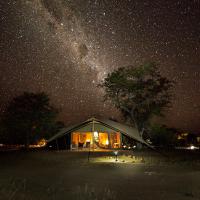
(93, 134)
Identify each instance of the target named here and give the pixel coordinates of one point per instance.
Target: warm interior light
(97, 139)
(81, 138)
(96, 134)
(42, 142)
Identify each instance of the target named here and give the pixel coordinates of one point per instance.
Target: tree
(138, 92)
(162, 136)
(29, 117)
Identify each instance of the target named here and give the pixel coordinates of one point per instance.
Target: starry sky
(66, 47)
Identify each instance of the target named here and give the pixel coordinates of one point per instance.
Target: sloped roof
(94, 124)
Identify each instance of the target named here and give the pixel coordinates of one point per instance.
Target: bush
(161, 136)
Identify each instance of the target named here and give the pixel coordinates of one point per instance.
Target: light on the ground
(192, 147)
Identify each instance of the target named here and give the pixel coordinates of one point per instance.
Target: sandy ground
(68, 175)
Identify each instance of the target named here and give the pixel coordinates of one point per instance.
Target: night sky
(66, 47)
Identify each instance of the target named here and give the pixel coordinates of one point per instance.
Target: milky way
(66, 47)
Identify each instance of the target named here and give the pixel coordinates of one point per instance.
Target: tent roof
(94, 124)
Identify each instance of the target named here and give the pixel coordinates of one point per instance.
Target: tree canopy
(28, 118)
(138, 92)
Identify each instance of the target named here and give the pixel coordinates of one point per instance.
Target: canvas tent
(94, 134)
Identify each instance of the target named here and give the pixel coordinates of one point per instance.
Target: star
(66, 48)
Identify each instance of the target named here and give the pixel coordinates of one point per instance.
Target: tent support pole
(92, 140)
(57, 145)
(120, 142)
(109, 144)
(93, 133)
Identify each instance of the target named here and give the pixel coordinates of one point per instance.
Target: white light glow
(96, 134)
(192, 147)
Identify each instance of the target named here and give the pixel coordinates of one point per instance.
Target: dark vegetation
(140, 93)
(29, 118)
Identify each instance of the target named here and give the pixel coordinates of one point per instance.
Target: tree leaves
(139, 92)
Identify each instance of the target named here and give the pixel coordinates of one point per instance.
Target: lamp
(96, 134)
(116, 154)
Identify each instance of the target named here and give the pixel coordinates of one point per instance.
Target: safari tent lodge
(93, 134)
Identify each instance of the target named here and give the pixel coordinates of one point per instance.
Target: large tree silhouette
(28, 118)
(138, 92)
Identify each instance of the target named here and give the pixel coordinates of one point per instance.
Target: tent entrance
(95, 140)
(81, 140)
